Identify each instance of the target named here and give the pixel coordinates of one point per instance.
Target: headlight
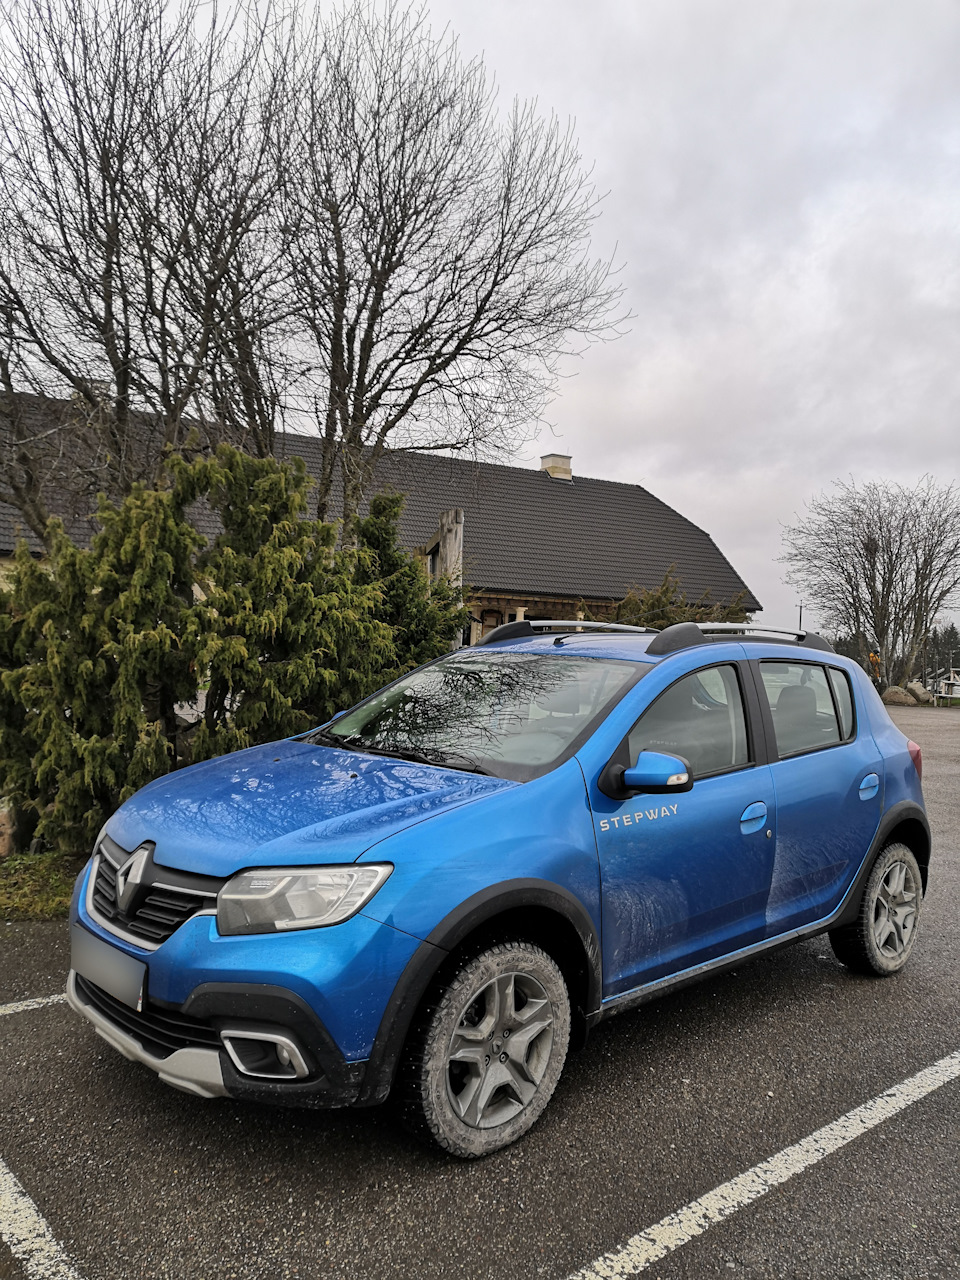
(275, 899)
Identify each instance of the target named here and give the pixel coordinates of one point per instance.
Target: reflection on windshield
(514, 715)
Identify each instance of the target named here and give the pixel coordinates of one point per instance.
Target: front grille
(159, 1031)
(158, 910)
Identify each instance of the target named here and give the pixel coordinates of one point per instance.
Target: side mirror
(657, 774)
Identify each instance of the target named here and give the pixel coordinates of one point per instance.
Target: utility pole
(800, 622)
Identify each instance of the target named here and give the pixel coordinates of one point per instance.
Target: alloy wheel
(895, 910)
(500, 1050)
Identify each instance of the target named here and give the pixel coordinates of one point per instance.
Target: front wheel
(879, 942)
(487, 1054)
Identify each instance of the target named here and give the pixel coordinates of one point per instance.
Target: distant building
(525, 543)
(543, 544)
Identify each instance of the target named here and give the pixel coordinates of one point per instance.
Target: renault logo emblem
(129, 877)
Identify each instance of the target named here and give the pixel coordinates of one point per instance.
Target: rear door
(685, 877)
(828, 780)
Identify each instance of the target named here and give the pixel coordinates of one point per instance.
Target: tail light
(917, 757)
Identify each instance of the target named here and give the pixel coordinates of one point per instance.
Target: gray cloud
(784, 191)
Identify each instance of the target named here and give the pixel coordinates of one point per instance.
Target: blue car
(442, 890)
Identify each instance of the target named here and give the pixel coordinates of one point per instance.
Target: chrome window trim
(187, 893)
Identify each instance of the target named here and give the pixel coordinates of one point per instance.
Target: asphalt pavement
(133, 1179)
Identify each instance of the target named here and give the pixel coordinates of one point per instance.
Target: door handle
(869, 786)
(753, 817)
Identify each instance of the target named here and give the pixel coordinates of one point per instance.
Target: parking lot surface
(133, 1179)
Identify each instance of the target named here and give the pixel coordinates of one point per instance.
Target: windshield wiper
(468, 766)
(355, 742)
(324, 738)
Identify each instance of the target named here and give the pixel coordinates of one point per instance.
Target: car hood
(287, 803)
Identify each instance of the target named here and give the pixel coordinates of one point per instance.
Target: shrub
(268, 629)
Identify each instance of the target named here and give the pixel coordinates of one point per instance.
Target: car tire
(880, 940)
(487, 1052)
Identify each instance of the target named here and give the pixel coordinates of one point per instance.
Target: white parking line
(28, 1236)
(695, 1218)
(21, 1006)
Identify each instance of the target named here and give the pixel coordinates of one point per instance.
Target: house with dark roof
(545, 543)
(525, 543)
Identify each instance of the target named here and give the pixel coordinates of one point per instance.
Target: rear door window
(801, 705)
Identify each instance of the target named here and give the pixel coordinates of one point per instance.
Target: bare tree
(880, 561)
(203, 226)
(143, 268)
(441, 255)
(234, 273)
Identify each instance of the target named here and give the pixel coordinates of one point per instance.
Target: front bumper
(328, 988)
(207, 1069)
(193, 1070)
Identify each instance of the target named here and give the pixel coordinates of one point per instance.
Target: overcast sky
(784, 193)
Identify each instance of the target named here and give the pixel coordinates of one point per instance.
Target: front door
(685, 877)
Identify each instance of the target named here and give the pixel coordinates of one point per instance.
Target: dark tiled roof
(525, 532)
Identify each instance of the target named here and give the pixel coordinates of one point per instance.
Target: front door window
(701, 719)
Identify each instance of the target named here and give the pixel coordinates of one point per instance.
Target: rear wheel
(879, 942)
(488, 1051)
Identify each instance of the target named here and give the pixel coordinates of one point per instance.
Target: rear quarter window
(840, 683)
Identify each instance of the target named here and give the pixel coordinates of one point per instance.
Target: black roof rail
(531, 627)
(681, 635)
(685, 635)
(756, 631)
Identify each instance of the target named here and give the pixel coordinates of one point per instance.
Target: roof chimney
(557, 466)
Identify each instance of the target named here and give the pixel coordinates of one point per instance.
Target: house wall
(493, 609)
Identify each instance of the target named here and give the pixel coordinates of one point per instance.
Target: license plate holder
(120, 975)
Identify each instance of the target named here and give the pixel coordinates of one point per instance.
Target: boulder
(921, 694)
(894, 696)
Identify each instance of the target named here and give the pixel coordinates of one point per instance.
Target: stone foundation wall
(6, 832)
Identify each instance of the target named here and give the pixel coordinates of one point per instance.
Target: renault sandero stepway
(443, 889)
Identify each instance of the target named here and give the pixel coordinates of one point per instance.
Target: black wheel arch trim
(239, 1002)
(476, 911)
(903, 811)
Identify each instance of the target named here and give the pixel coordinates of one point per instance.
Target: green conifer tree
(288, 630)
(426, 616)
(662, 606)
(95, 667)
(103, 651)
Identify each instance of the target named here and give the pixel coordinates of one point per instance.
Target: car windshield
(514, 715)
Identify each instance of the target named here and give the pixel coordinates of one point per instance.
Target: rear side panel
(900, 775)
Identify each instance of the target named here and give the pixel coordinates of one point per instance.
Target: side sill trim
(640, 995)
